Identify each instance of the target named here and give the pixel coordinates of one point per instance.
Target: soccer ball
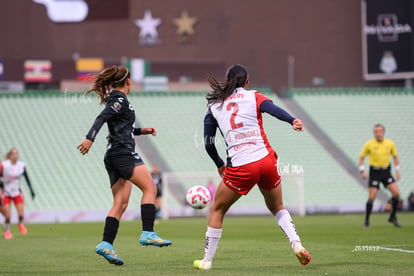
(198, 197)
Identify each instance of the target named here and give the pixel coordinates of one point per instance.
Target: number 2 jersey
(239, 118)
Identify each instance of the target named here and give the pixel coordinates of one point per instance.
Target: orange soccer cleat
(22, 228)
(7, 235)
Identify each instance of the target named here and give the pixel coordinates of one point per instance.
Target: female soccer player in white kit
(250, 161)
(11, 171)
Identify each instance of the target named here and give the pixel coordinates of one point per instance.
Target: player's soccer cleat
(202, 265)
(7, 235)
(304, 257)
(394, 221)
(302, 254)
(366, 225)
(151, 238)
(22, 228)
(106, 250)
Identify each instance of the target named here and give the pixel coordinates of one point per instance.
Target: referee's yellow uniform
(379, 152)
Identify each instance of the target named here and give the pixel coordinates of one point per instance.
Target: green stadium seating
(179, 120)
(348, 115)
(47, 127)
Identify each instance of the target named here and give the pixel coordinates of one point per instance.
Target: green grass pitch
(249, 246)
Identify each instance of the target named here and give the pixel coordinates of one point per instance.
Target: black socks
(110, 230)
(112, 224)
(394, 204)
(148, 217)
(368, 210)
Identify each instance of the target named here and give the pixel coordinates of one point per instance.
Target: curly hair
(110, 77)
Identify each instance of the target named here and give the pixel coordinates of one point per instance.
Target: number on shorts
(235, 108)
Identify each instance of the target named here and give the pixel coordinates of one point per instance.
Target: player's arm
(107, 113)
(361, 167)
(29, 184)
(397, 167)
(210, 128)
(281, 114)
(361, 161)
(145, 131)
(394, 153)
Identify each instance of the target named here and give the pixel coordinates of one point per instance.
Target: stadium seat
(47, 127)
(347, 116)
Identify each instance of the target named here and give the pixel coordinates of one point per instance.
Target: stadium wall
(323, 36)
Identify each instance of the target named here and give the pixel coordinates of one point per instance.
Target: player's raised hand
(297, 125)
(85, 146)
(148, 130)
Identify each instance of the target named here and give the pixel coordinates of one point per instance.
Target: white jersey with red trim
(240, 121)
(11, 177)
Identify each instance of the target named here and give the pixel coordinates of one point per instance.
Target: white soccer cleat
(202, 265)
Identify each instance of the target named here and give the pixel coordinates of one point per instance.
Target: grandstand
(347, 116)
(48, 126)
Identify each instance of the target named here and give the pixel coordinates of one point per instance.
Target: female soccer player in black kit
(123, 164)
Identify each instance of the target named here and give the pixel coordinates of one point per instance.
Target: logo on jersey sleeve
(116, 106)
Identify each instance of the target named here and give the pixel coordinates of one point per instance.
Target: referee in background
(379, 150)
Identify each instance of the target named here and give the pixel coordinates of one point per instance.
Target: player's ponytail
(236, 76)
(111, 77)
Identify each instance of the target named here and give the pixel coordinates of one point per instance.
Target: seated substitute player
(124, 166)
(250, 161)
(11, 170)
(379, 150)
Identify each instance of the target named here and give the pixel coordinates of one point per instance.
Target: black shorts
(121, 165)
(380, 175)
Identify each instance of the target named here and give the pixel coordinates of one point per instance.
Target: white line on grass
(395, 249)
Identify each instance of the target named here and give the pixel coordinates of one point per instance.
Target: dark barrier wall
(323, 36)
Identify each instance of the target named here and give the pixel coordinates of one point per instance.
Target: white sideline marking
(395, 249)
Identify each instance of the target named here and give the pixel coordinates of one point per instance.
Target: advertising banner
(387, 39)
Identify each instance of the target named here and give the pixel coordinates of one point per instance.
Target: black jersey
(120, 117)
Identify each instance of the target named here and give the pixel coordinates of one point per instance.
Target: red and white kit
(240, 121)
(11, 181)
(251, 159)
